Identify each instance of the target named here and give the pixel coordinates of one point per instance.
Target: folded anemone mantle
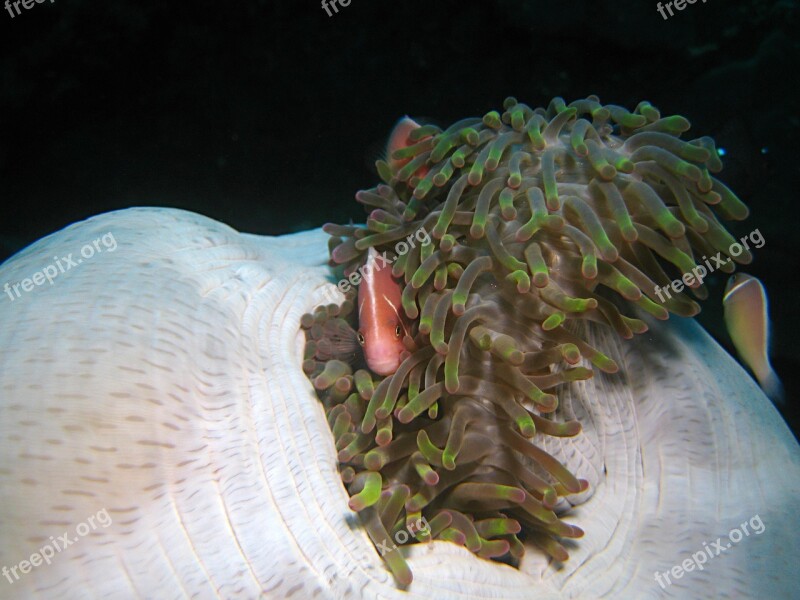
(163, 382)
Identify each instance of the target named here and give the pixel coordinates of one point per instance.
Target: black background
(269, 115)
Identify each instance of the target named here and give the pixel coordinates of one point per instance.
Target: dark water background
(268, 115)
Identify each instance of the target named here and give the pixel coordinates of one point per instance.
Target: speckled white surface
(161, 383)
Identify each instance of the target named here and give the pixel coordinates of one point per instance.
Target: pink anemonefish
(382, 326)
(747, 320)
(382, 323)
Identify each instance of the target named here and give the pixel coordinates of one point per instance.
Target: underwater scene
(453, 300)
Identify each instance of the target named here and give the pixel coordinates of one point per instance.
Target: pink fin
(339, 341)
(399, 139)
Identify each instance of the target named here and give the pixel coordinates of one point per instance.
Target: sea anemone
(538, 218)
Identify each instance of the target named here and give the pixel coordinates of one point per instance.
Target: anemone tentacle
(538, 219)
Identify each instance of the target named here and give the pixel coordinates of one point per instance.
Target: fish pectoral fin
(341, 339)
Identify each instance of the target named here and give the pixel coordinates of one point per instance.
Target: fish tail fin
(773, 388)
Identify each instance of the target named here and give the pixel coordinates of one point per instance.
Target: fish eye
(398, 331)
(360, 337)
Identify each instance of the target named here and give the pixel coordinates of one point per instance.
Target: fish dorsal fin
(399, 139)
